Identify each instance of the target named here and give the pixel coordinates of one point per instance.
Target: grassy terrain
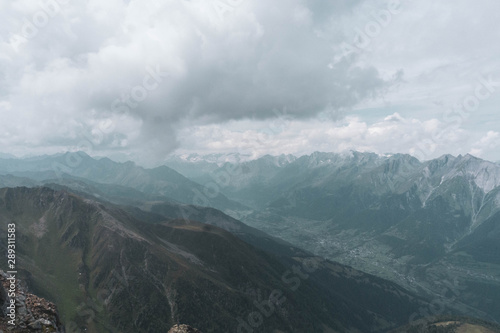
(110, 272)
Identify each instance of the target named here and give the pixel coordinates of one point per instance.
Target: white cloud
(394, 133)
(441, 49)
(487, 146)
(237, 61)
(231, 66)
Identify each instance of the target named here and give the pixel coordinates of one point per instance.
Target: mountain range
(206, 242)
(432, 226)
(109, 271)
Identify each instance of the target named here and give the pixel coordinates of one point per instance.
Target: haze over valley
(285, 166)
(431, 228)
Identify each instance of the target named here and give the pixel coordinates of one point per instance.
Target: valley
(100, 264)
(391, 240)
(431, 226)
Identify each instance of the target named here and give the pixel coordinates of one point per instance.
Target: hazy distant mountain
(433, 227)
(216, 159)
(195, 165)
(160, 181)
(4, 155)
(417, 223)
(109, 271)
(13, 181)
(205, 168)
(155, 209)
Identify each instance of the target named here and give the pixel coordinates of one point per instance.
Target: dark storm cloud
(259, 59)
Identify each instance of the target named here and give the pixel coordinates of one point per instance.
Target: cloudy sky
(143, 79)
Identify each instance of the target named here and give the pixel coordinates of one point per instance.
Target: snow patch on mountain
(218, 159)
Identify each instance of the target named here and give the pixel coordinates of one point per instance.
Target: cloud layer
(423, 139)
(144, 78)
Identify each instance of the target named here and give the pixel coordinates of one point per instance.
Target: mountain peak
(80, 153)
(405, 157)
(218, 159)
(183, 329)
(470, 157)
(467, 157)
(446, 158)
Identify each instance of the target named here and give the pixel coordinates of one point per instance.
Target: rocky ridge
(183, 329)
(33, 313)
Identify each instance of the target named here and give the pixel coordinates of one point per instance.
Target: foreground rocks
(33, 314)
(183, 329)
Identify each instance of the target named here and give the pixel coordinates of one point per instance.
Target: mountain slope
(413, 222)
(108, 271)
(160, 181)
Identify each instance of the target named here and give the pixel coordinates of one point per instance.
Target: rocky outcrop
(33, 313)
(183, 329)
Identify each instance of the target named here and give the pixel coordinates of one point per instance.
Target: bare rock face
(183, 329)
(33, 313)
